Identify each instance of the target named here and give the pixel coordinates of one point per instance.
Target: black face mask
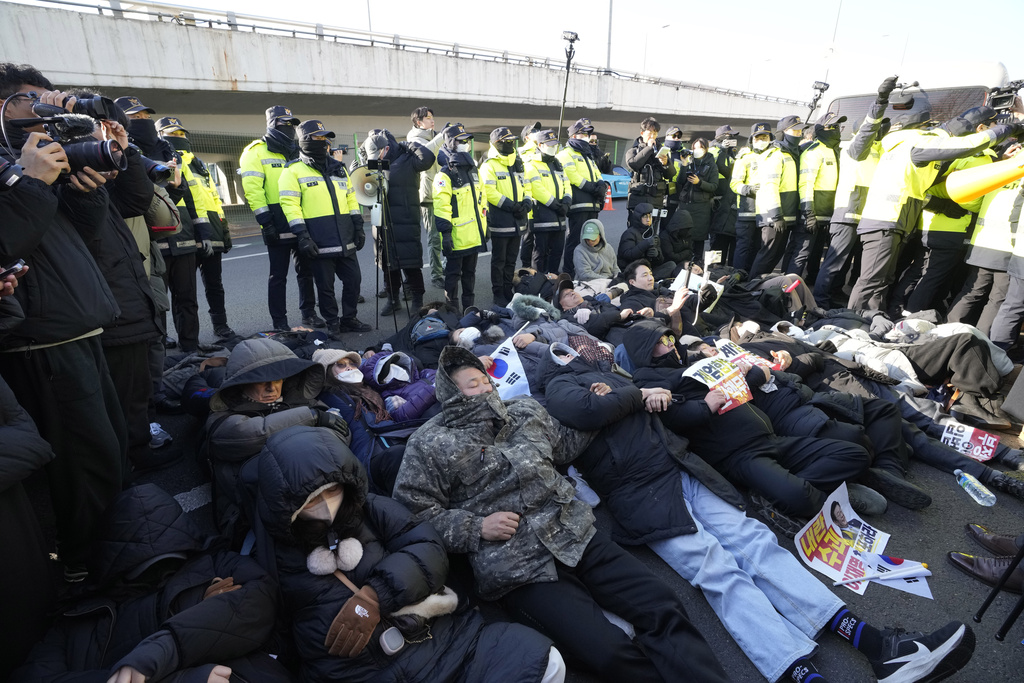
(669, 360)
(793, 140)
(315, 149)
(829, 138)
(143, 133)
(505, 148)
(285, 131)
(674, 145)
(281, 140)
(180, 144)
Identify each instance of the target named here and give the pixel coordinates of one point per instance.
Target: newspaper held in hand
(718, 373)
(734, 353)
(972, 442)
(507, 372)
(712, 258)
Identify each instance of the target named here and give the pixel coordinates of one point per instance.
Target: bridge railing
(233, 21)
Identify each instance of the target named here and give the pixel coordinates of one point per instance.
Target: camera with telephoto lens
(158, 172)
(100, 108)
(1005, 101)
(74, 133)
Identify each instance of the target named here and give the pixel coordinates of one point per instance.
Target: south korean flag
(507, 371)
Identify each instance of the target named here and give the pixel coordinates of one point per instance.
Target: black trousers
(881, 435)
(569, 612)
(936, 268)
(794, 472)
(181, 281)
(346, 269)
(155, 356)
(828, 285)
(413, 281)
(210, 270)
(526, 249)
(725, 244)
(69, 394)
(961, 359)
(133, 381)
(773, 248)
(461, 268)
(504, 250)
(572, 239)
(798, 250)
(880, 252)
(277, 284)
(748, 242)
(547, 250)
(982, 295)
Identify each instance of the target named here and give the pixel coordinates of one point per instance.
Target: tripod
(380, 219)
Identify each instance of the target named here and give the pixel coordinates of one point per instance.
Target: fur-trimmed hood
(530, 308)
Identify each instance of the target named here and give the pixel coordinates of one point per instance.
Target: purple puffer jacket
(418, 392)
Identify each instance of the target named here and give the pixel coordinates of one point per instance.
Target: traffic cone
(608, 200)
(969, 184)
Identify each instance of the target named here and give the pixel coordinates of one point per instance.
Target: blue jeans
(766, 599)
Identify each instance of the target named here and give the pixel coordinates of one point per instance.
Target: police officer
(552, 193)
(724, 151)
(778, 199)
(857, 165)
(744, 184)
(588, 190)
(459, 214)
(261, 165)
(945, 223)
(818, 178)
(673, 147)
(911, 161)
(508, 209)
(182, 250)
(527, 148)
(320, 204)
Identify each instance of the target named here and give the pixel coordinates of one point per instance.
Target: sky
(747, 45)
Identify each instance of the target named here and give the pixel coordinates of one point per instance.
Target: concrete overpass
(219, 71)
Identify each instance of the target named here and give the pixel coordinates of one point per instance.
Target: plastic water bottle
(970, 483)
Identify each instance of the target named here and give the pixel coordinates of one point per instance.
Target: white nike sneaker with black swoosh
(924, 658)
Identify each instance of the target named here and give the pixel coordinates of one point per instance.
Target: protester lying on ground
(483, 465)
(597, 314)
(771, 605)
(678, 308)
(266, 388)
(793, 474)
(161, 603)
(363, 581)
(408, 391)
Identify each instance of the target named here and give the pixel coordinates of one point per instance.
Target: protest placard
(974, 443)
(718, 373)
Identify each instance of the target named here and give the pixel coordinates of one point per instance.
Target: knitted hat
(328, 357)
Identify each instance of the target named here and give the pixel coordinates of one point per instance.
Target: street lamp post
(570, 52)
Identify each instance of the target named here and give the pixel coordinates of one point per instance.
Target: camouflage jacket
(482, 455)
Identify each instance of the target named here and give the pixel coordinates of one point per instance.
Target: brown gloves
(219, 585)
(351, 629)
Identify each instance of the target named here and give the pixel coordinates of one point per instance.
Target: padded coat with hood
(596, 262)
(633, 462)
(677, 237)
(418, 390)
(405, 249)
(145, 607)
(402, 559)
(481, 455)
(238, 427)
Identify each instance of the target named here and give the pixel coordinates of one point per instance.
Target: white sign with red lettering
(974, 443)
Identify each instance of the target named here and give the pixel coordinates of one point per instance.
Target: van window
(944, 103)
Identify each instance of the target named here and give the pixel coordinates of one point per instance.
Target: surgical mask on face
(698, 153)
(760, 145)
(349, 376)
(396, 373)
(462, 147)
(324, 507)
(550, 150)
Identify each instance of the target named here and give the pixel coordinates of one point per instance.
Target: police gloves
(270, 235)
(810, 223)
(207, 248)
(307, 247)
(885, 89)
(447, 243)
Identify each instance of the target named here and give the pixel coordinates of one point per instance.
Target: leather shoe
(988, 570)
(168, 406)
(997, 544)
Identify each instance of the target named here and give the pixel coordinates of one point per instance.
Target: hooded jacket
(405, 249)
(639, 157)
(636, 239)
(401, 558)
(426, 138)
(149, 573)
(677, 237)
(633, 461)
(418, 390)
(596, 262)
(482, 455)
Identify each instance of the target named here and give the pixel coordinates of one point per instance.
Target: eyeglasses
(667, 340)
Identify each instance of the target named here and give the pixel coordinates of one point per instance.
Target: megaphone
(366, 184)
(970, 183)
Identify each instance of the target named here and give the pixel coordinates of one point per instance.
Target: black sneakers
(866, 501)
(773, 517)
(353, 325)
(923, 658)
(896, 488)
(314, 321)
(1001, 481)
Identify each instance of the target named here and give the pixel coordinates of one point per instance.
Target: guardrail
(232, 21)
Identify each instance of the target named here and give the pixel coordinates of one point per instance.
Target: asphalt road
(923, 535)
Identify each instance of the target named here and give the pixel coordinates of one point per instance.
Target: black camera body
(1004, 100)
(74, 133)
(378, 164)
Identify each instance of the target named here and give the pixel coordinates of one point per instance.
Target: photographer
(401, 251)
(588, 189)
(651, 171)
(698, 183)
(54, 361)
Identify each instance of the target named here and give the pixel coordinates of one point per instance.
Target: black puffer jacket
(634, 461)
(117, 254)
(64, 295)
(402, 560)
(146, 608)
(640, 157)
(677, 239)
(405, 248)
(636, 239)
